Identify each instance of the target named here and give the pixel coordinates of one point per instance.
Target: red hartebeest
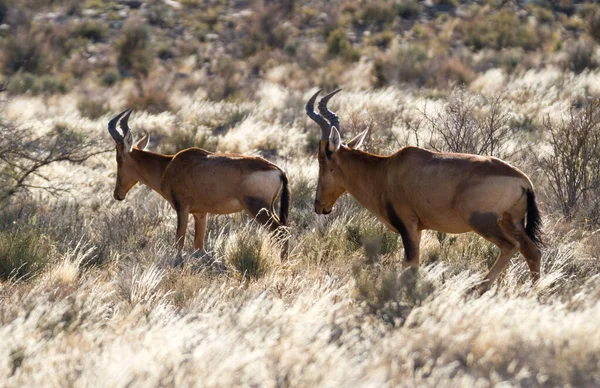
(416, 189)
(197, 181)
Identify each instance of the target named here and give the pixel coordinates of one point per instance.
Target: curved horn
(310, 111)
(123, 122)
(112, 128)
(329, 115)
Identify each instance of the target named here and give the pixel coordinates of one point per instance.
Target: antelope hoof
(201, 254)
(480, 288)
(178, 261)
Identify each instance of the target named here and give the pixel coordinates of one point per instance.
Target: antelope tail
(284, 205)
(534, 220)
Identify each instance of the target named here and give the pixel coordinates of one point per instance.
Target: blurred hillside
(222, 49)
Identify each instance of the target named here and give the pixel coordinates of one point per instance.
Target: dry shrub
(24, 153)
(405, 63)
(152, 94)
(22, 52)
(573, 167)
(92, 105)
(581, 56)
(390, 295)
(472, 125)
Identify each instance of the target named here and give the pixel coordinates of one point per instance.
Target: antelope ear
(143, 143)
(334, 140)
(128, 142)
(357, 140)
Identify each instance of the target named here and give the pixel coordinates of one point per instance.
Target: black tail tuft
(284, 206)
(534, 220)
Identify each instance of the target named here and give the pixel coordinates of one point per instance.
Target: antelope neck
(362, 175)
(150, 167)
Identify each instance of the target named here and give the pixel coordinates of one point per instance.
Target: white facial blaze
(128, 141)
(335, 139)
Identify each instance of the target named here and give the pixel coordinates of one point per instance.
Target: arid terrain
(87, 297)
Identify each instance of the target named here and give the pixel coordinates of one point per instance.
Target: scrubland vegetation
(85, 297)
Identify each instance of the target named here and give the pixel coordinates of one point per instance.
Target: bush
(110, 77)
(134, 55)
(594, 25)
(92, 106)
(408, 9)
(24, 152)
(21, 83)
(22, 52)
(92, 30)
(405, 63)
(251, 254)
(151, 95)
(338, 44)
(371, 234)
(24, 252)
(466, 127)
(573, 168)
(377, 12)
(500, 30)
(581, 56)
(389, 295)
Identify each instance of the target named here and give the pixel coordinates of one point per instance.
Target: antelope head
(126, 165)
(330, 185)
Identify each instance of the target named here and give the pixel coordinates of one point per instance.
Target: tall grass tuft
(251, 252)
(24, 253)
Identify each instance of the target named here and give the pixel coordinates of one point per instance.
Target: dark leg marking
(260, 209)
(486, 224)
(409, 246)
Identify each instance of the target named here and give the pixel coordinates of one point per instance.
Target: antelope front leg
(200, 220)
(182, 220)
(410, 233)
(411, 239)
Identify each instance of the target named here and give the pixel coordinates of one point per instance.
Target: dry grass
(100, 309)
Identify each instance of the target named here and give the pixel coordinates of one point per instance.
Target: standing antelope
(200, 182)
(416, 189)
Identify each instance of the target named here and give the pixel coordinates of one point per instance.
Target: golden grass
(340, 311)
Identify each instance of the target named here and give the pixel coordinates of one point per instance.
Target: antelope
(415, 189)
(199, 182)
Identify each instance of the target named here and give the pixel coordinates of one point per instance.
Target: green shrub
(408, 9)
(377, 12)
(92, 107)
(500, 30)
(110, 77)
(338, 44)
(382, 40)
(21, 83)
(93, 30)
(251, 254)
(134, 54)
(24, 253)
(405, 63)
(22, 52)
